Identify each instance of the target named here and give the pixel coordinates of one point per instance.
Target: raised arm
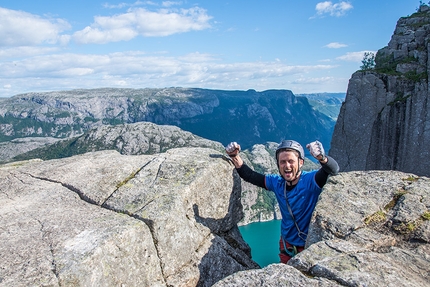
(328, 165)
(244, 171)
(233, 149)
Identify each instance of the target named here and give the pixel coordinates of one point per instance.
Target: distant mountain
(326, 103)
(18, 146)
(248, 117)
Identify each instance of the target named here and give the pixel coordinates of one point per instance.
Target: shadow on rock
(227, 243)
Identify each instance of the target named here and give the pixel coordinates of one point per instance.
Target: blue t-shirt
(302, 198)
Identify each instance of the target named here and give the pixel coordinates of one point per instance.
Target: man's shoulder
(274, 177)
(274, 180)
(308, 173)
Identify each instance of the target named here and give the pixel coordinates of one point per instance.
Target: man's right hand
(232, 149)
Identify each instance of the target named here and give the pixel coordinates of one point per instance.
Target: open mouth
(288, 173)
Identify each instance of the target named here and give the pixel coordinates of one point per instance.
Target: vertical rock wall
(384, 123)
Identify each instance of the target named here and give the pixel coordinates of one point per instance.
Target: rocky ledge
(170, 219)
(105, 219)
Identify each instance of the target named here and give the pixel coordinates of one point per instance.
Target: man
(296, 191)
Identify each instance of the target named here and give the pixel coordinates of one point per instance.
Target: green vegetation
(418, 13)
(385, 64)
(90, 120)
(259, 168)
(411, 178)
(416, 77)
(368, 61)
(381, 215)
(395, 199)
(29, 127)
(61, 114)
(406, 228)
(61, 149)
(426, 215)
(126, 180)
(266, 201)
(113, 121)
(378, 216)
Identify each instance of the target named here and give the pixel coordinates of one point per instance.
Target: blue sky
(303, 46)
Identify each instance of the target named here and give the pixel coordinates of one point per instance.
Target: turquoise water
(263, 238)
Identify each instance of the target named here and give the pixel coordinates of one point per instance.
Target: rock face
(384, 122)
(368, 229)
(105, 219)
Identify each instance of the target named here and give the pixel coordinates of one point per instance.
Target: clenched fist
(232, 149)
(317, 150)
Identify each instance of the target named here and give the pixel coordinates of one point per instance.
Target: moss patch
(426, 215)
(395, 199)
(378, 216)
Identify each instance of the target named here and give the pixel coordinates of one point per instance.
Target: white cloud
(128, 63)
(312, 80)
(354, 56)
(25, 51)
(171, 3)
(137, 69)
(338, 9)
(139, 21)
(115, 6)
(335, 45)
(18, 28)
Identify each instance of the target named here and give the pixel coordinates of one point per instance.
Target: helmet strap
(299, 171)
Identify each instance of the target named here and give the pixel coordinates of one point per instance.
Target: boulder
(106, 219)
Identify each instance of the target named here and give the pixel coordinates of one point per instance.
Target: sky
(304, 46)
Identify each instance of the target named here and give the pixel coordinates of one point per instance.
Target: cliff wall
(384, 123)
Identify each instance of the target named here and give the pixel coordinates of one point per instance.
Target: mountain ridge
(248, 117)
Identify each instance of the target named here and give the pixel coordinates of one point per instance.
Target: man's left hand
(317, 150)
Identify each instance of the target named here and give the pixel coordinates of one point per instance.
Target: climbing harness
(301, 234)
(290, 251)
